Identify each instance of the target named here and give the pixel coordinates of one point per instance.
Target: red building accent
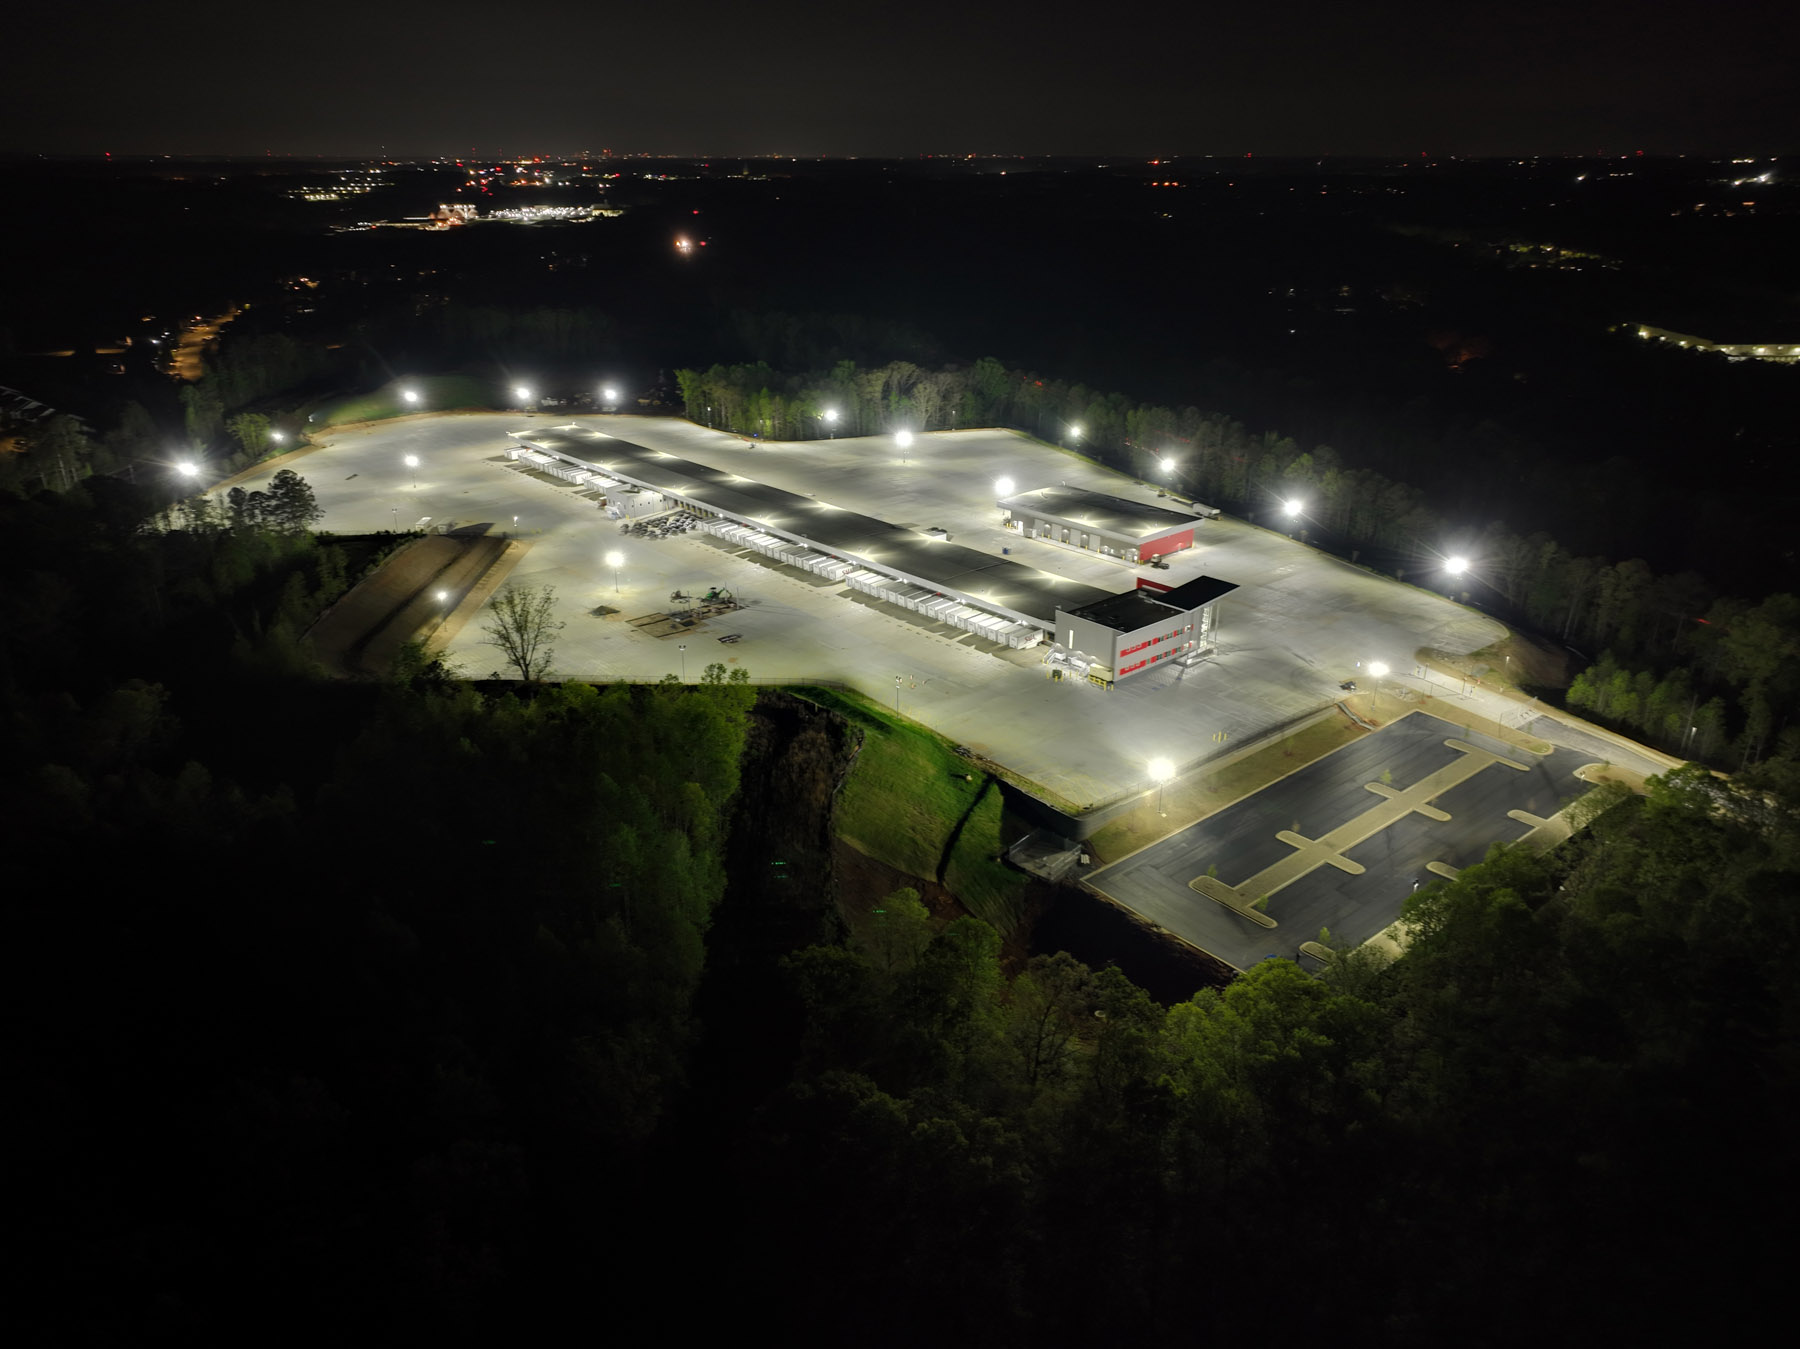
(1168, 543)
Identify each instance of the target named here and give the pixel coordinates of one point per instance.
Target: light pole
(830, 415)
(1161, 770)
(1378, 672)
(523, 394)
(1003, 488)
(443, 599)
(896, 695)
(1458, 566)
(682, 648)
(611, 396)
(903, 439)
(615, 561)
(396, 519)
(1291, 508)
(1075, 430)
(412, 462)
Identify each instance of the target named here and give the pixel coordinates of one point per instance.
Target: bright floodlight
(1166, 465)
(1291, 507)
(522, 394)
(831, 414)
(278, 436)
(615, 559)
(443, 595)
(410, 396)
(1075, 430)
(611, 395)
(188, 469)
(1161, 770)
(904, 438)
(1004, 487)
(1456, 566)
(412, 461)
(1378, 668)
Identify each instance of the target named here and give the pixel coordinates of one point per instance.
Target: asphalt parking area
(1341, 843)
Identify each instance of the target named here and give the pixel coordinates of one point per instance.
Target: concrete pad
(1299, 624)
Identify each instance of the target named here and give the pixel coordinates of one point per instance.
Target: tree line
(1525, 1100)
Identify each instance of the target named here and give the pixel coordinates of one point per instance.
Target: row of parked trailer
(891, 590)
(553, 467)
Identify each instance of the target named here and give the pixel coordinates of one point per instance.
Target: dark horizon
(808, 81)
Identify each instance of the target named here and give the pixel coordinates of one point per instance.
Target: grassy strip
(988, 888)
(907, 791)
(1201, 794)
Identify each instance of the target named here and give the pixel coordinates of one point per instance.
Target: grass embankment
(1205, 791)
(437, 393)
(904, 800)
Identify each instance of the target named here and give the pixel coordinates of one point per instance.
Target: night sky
(812, 78)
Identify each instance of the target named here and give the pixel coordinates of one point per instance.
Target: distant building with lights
(1736, 351)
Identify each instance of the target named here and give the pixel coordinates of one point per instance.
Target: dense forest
(425, 1007)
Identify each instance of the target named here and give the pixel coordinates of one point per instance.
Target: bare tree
(521, 624)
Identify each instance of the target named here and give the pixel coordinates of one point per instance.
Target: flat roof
(994, 582)
(1096, 510)
(1146, 606)
(1192, 594)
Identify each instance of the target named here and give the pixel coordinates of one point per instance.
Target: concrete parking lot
(1502, 792)
(1300, 622)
